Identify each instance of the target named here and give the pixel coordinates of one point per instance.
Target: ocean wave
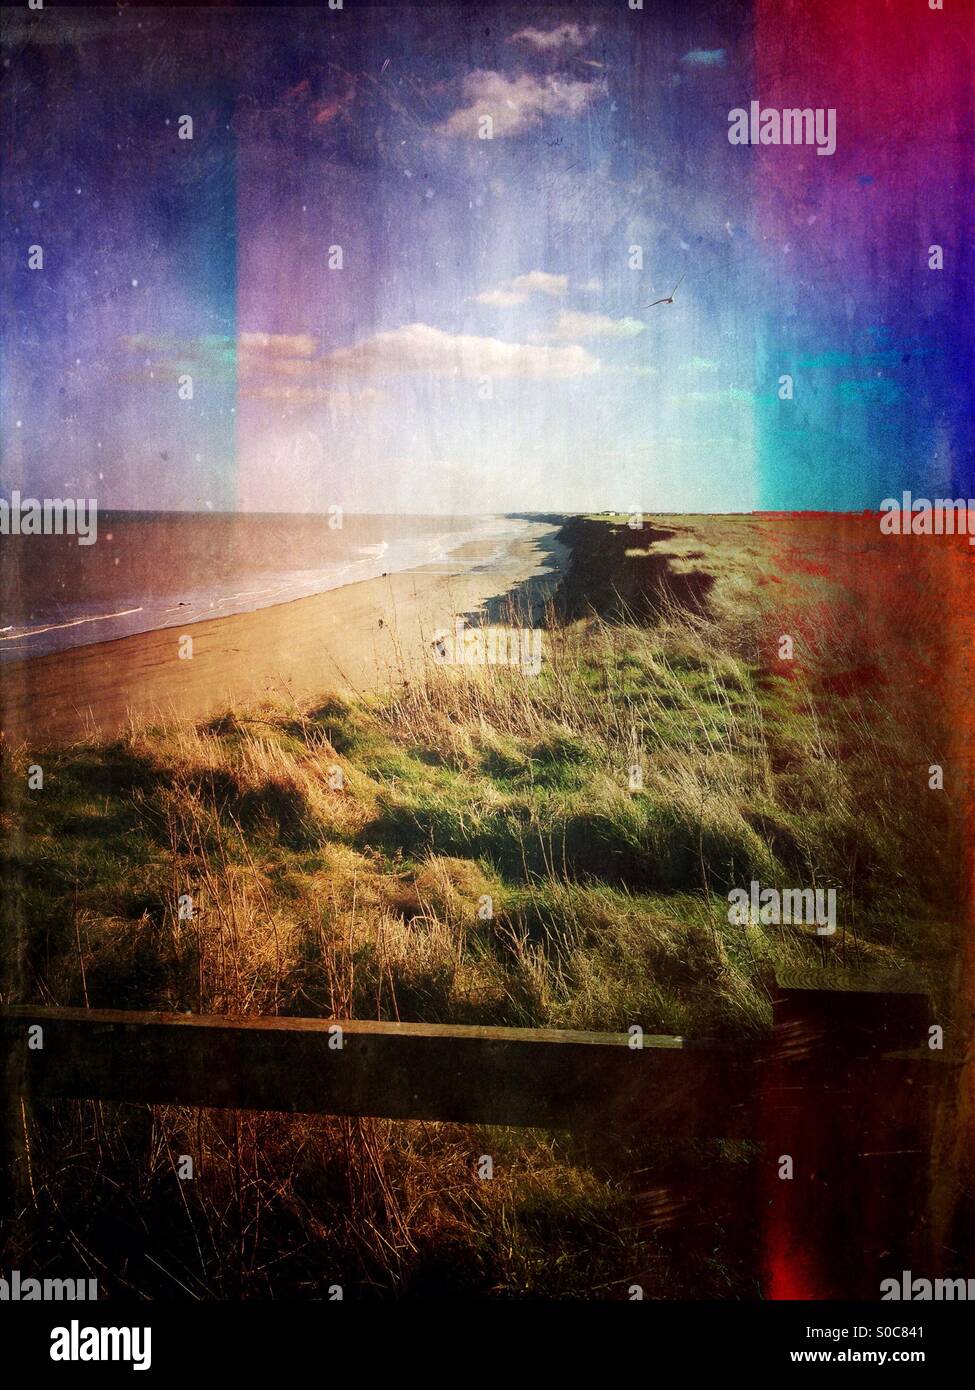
(17, 636)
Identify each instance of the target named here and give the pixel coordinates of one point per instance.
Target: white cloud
(249, 354)
(570, 35)
(572, 323)
(419, 347)
(267, 367)
(277, 344)
(541, 282)
(500, 299)
(290, 397)
(517, 103)
(518, 290)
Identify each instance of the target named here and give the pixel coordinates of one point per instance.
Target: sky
(380, 309)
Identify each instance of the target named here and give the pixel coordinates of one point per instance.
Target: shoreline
(65, 596)
(356, 638)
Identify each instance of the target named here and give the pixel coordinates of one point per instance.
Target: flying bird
(669, 298)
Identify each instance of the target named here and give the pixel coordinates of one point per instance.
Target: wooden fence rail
(472, 1075)
(478, 1075)
(842, 1087)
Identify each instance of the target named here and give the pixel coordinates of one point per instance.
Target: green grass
(608, 907)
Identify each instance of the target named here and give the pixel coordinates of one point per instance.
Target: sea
(151, 570)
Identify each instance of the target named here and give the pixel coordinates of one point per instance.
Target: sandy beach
(360, 637)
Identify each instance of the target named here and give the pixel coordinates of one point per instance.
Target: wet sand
(361, 637)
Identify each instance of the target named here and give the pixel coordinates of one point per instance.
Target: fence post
(12, 1151)
(845, 1128)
